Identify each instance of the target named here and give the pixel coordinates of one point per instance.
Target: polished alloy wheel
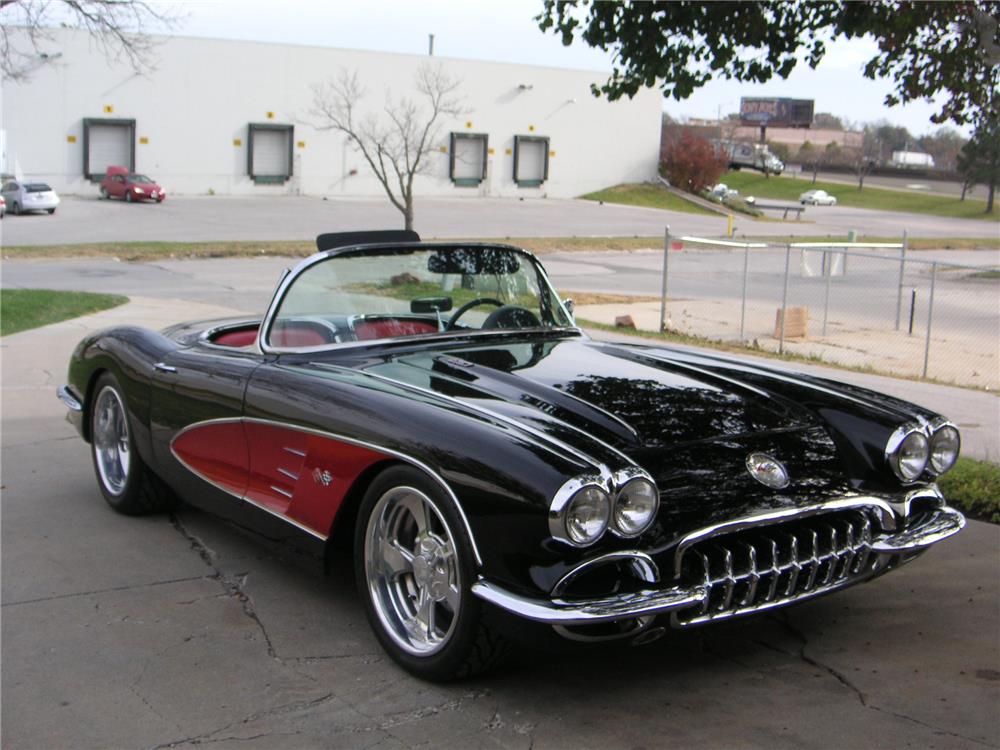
(111, 443)
(412, 571)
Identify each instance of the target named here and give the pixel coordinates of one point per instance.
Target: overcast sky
(504, 30)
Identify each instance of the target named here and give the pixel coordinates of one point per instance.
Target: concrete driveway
(179, 631)
(203, 218)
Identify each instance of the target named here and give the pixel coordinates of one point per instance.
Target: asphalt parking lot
(219, 218)
(181, 630)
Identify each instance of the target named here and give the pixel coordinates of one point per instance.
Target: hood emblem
(767, 470)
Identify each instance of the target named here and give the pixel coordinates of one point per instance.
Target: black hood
(632, 400)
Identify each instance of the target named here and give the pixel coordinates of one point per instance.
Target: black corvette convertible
(432, 409)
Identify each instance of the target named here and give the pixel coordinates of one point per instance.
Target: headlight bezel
(610, 486)
(927, 432)
(563, 502)
(622, 480)
(940, 429)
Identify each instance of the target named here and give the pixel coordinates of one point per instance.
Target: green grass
(21, 309)
(882, 199)
(974, 488)
(648, 196)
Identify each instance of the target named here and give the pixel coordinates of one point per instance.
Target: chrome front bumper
(889, 548)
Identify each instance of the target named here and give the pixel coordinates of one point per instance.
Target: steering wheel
(468, 306)
(511, 316)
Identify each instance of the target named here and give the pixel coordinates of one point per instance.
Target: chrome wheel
(111, 440)
(412, 571)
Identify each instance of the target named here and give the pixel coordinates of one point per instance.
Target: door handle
(163, 367)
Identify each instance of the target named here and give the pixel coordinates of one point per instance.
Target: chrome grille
(762, 567)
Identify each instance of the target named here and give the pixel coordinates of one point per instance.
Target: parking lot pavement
(181, 630)
(220, 218)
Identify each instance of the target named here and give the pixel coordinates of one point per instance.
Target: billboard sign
(776, 112)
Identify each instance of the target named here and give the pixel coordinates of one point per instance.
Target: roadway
(222, 218)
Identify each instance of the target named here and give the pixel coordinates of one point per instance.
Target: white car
(817, 198)
(29, 196)
(722, 192)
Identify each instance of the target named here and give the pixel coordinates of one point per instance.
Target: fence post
(930, 319)
(902, 272)
(743, 304)
(828, 267)
(784, 299)
(663, 288)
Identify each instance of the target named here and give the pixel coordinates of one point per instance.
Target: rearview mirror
(431, 304)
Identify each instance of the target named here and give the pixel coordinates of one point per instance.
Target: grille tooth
(752, 575)
(766, 566)
(793, 562)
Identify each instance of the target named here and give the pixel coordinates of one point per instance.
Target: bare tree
(396, 141)
(119, 27)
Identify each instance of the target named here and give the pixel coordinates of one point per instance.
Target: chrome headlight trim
(622, 479)
(563, 499)
(895, 444)
(938, 428)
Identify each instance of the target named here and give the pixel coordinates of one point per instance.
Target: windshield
(36, 187)
(387, 293)
(140, 178)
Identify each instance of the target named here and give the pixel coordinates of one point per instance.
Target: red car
(120, 183)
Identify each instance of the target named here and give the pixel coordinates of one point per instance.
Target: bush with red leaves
(691, 163)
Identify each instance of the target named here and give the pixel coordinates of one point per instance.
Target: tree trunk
(990, 194)
(815, 172)
(408, 213)
(861, 181)
(965, 186)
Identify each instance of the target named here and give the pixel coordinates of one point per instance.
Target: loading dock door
(107, 143)
(468, 158)
(531, 160)
(270, 152)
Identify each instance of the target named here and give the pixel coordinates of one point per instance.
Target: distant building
(232, 117)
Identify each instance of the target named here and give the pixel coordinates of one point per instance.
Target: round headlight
(635, 507)
(945, 445)
(910, 458)
(587, 514)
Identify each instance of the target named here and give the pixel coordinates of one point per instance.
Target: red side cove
(292, 473)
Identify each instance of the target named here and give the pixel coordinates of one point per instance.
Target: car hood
(627, 398)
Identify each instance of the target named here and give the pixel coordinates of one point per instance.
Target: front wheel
(16, 209)
(414, 567)
(51, 211)
(104, 193)
(128, 196)
(124, 479)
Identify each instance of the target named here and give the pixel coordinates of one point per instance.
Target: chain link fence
(868, 306)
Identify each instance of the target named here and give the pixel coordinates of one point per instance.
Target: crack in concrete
(208, 737)
(800, 636)
(418, 714)
(107, 591)
(233, 585)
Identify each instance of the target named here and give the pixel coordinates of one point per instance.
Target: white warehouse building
(233, 117)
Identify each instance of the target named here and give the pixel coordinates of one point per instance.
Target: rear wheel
(124, 479)
(414, 567)
(16, 209)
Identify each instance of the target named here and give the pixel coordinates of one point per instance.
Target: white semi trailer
(751, 156)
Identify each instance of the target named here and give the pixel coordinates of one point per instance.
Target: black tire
(128, 196)
(16, 208)
(104, 193)
(51, 211)
(470, 645)
(136, 490)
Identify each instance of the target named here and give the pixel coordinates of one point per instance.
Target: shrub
(691, 163)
